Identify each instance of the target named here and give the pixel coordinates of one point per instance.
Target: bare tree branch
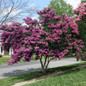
(8, 12)
(11, 10)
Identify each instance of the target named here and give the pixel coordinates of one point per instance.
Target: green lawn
(4, 60)
(80, 74)
(73, 78)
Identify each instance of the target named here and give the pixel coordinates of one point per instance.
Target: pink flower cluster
(80, 12)
(54, 36)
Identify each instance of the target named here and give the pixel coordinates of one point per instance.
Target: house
(5, 52)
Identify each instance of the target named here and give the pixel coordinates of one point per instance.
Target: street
(21, 68)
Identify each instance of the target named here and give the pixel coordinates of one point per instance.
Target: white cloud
(8, 23)
(32, 6)
(24, 23)
(74, 3)
(15, 11)
(7, 10)
(34, 17)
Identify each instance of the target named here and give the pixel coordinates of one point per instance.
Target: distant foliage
(83, 1)
(61, 7)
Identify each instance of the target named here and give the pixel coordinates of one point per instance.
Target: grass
(19, 78)
(72, 78)
(4, 60)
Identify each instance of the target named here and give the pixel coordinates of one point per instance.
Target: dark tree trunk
(44, 65)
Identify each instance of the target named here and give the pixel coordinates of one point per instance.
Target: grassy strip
(72, 78)
(4, 60)
(19, 78)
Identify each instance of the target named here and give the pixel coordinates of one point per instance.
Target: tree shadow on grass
(20, 72)
(36, 73)
(68, 72)
(19, 78)
(72, 70)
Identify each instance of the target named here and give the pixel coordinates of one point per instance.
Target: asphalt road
(21, 68)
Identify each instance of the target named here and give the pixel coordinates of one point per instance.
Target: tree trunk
(45, 65)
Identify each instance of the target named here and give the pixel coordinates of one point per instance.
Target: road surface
(21, 68)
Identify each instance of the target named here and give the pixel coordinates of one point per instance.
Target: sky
(74, 3)
(43, 3)
(40, 4)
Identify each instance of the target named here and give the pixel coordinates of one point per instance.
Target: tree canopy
(83, 1)
(61, 7)
(54, 41)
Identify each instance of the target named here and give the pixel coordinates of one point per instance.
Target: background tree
(61, 7)
(12, 10)
(83, 1)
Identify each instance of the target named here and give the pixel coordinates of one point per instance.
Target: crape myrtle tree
(50, 38)
(80, 18)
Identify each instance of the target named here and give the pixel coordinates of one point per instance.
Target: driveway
(21, 68)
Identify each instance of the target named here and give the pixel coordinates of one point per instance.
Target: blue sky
(43, 3)
(40, 4)
(32, 4)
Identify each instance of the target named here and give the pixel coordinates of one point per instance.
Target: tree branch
(8, 12)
